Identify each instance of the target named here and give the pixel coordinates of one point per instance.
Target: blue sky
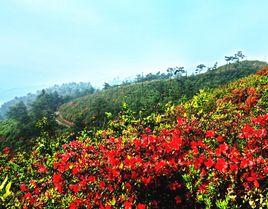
(46, 42)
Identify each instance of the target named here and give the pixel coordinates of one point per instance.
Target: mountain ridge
(160, 91)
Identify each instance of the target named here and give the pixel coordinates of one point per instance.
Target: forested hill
(151, 93)
(144, 97)
(209, 152)
(68, 91)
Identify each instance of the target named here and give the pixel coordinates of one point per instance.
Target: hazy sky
(44, 42)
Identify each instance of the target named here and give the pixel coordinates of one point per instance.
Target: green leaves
(3, 184)
(223, 204)
(5, 189)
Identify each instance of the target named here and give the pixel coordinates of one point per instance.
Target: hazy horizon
(47, 42)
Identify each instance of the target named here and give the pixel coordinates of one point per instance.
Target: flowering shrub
(215, 155)
(184, 167)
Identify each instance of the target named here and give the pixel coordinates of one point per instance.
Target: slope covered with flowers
(213, 155)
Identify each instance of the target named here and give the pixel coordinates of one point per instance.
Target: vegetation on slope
(25, 124)
(67, 91)
(211, 152)
(150, 96)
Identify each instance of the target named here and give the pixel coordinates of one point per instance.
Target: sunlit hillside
(210, 152)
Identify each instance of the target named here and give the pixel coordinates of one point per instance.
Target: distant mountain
(68, 91)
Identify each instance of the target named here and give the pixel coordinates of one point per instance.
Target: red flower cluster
(6, 150)
(147, 172)
(58, 182)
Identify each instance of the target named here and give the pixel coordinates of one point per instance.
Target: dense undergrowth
(210, 152)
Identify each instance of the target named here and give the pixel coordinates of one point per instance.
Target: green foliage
(9, 134)
(67, 91)
(150, 95)
(5, 191)
(19, 113)
(224, 111)
(24, 124)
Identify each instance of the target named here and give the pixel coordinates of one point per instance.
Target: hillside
(89, 111)
(147, 95)
(210, 152)
(68, 91)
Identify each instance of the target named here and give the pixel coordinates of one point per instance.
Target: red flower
(261, 133)
(146, 181)
(128, 205)
(23, 188)
(75, 204)
(176, 142)
(102, 185)
(91, 179)
(256, 184)
(202, 188)
(220, 139)
(209, 163)
(74, 187)
(244, 163)
(57, 181)
(173, 186)
(41, 168)
(233, 167)
(28, 195)
(210, 134)
(160, 165)
(141, 206)
(248, 131)
(251, 100)
(36, 191)
(75, 171)
(57, 178)
(148, 130)
(223, 148)
(179, 121)
(6, 150)
(178, 199)
(221, 165)
(128, 186)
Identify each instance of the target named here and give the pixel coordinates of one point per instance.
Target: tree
(19, 113)
(139, 78)
(170, 72)
(229, 59)
(179, 71)
(175, 71)
(239, 55)
(199, 68)
(236, 58)
(23, 126)
(43, 111)
(45, 104)
(106, 86)
(215, 66)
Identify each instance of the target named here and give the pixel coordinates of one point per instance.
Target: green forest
(152, 93)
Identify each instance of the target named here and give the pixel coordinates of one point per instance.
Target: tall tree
(19, 113)
(200, 68)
